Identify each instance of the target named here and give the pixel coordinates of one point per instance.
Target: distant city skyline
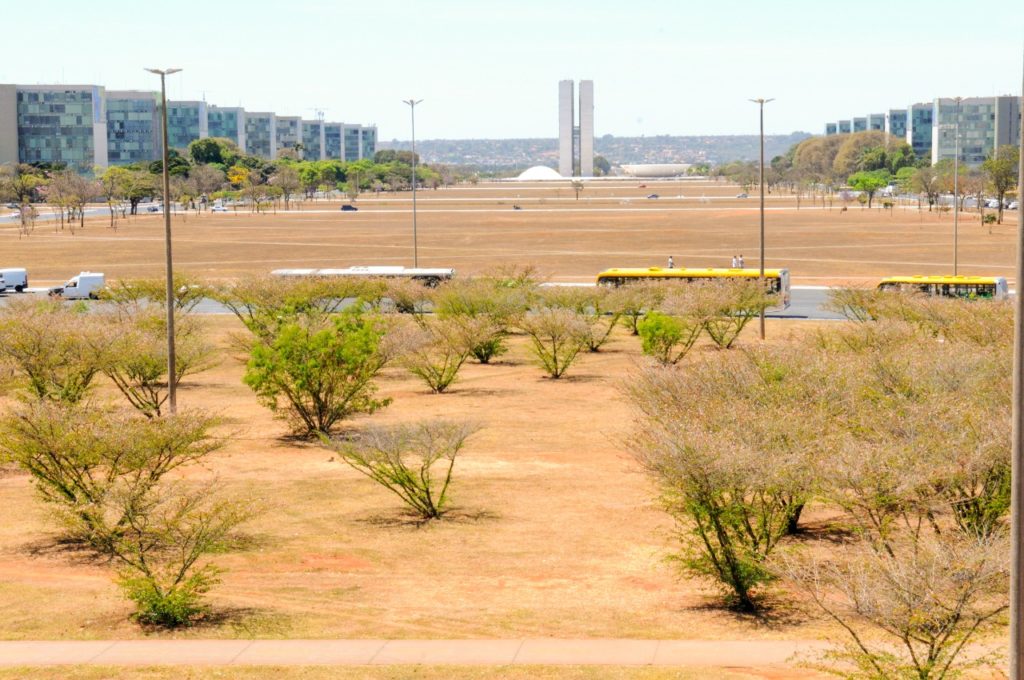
(487, 71)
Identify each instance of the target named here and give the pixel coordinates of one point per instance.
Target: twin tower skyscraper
(576, 135)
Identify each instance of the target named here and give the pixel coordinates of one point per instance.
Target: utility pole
(1017, 458)
(761, 103)
(172, 382)
(956, 184)
(415, 249)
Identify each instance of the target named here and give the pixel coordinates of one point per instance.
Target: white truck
(79, 287)
(13, 279)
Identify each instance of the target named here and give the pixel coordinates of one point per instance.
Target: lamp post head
(163, 72)
(762, 102)
(412, 102)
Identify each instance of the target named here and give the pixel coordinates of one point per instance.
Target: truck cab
(13, 279)
(82, 286)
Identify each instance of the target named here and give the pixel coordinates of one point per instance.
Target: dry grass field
(555, 532)
(474, 228)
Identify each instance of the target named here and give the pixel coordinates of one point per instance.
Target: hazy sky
(490, 69)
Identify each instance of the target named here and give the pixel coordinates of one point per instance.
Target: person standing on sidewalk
(671, 262)
(735, 262)
(740, 261)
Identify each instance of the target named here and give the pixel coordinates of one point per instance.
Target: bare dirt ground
(474, 228)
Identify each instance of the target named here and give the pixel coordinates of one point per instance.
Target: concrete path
(724, 653)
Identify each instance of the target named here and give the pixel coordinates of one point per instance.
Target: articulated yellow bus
(777, 279)
(970, 287)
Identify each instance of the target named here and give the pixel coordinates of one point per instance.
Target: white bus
(428, 277)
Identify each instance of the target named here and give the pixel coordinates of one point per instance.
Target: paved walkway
(725, 653)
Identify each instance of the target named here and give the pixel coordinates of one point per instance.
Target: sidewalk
(725, 653)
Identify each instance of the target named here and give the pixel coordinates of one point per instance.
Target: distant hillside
(505, 154)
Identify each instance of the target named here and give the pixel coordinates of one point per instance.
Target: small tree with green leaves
(668, 338)
(162, 550)
(557, 336)
(636, 299)
(415, 461)
(727, 307)
(492, 308)
(317, 372)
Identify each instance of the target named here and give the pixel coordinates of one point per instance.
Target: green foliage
(316, 372)
(53, 351)
(668, 338)
(869, 182)
(403, 459)
(217, 150)
(491, 307)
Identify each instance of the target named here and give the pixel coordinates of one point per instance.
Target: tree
(53, 351)
(112, 186)
(402, 459)
(556, 338)
(577, 186)
(601, 166)
(493, 308)
(869, 182)
(1001, 169)
(250, 182)
(927, 181)
(668, 338)
(160, 547)
(287, 180)
(438, 350)
(91, 465)
(21, 184)
(315, 373)
(217, 150)
(207, 179)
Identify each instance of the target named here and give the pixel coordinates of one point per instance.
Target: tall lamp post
(1017, 457)
(956, 183)
(172, 387)
(761, 103)
(412, 110)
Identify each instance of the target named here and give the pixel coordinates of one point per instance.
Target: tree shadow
(70, 548)
(404, 519)
(773, 612)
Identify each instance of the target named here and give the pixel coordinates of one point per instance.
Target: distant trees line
(869, 161)
(212, 168)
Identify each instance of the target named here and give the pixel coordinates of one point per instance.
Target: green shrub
(668, 338)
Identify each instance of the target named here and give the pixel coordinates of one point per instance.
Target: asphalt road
(805, 303)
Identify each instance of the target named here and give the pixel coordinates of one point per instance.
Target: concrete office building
(845, 127)
(576, 140)
(227, 122)
(261, 134)
(133, 127)
(831, 128)
(187, 121)
(53, 124)
(985, 124)
(860, 124)
(333, 140)
(876, 121)
(368, 141)
(896, 122)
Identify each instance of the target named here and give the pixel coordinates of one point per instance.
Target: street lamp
(956, 182)
(412, 110)
(172, 402)
(761, 103)
(1017, 457)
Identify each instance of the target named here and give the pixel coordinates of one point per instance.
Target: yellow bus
(777, 279)
(970, 287)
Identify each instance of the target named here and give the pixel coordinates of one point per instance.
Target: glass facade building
(312, 140)
(227, 123)
(352, 142)
(133, 127)
(845, 127)
(289, 132)
(860, 124)
(831, 128)
(983, 124)
(919, 129)
(876, 121)
(63, 124)
(896, 122)
(260, 134)
(368, 136)
(186, 122)
(332, 140)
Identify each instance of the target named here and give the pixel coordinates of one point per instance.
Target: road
(805, 303)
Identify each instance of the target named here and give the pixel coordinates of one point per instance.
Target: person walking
(740, 261)
(671, 262)
(735, 262)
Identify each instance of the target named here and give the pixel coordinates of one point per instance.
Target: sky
(490, 69)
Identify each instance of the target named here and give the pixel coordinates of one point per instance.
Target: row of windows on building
(90, 126)
(972, 127)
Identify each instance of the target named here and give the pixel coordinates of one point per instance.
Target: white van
(80, 287)
(14, 279)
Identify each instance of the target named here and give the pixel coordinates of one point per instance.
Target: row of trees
(892, 433)
(869, 161)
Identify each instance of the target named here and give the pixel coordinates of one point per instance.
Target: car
(153, 208)
(516, 207)
(1013, 205)
(348, 207)
(218, 208)
(992, 203)
(742, 196)
(653, 196)
(12, 206)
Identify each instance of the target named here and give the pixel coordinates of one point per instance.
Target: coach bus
(969, 287)
(777, 280)
(428, 277)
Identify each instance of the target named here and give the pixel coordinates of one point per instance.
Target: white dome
(539, 172)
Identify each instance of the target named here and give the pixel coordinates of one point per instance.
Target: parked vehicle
(82, 286)
(1013, 205)
(218, 208)
(14, 279)
(742, 196)
(653, 196)
(348, 207)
